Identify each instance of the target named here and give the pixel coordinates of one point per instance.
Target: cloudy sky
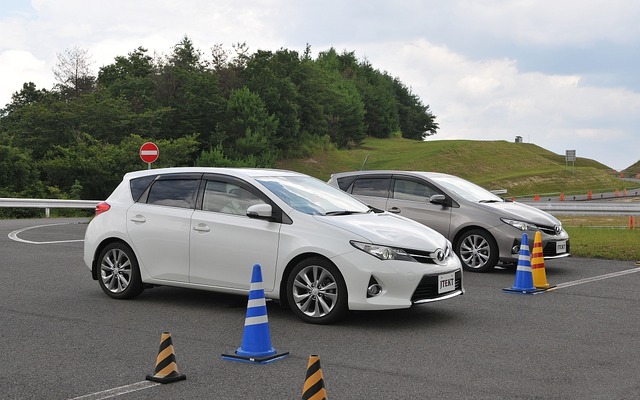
(563, 74)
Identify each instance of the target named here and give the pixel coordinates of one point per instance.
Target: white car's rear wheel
(118, 272)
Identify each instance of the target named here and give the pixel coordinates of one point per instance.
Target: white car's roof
(239, 172)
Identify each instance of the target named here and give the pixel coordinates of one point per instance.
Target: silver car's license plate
(561, 247)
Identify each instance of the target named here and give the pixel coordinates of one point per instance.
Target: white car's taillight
(102, 207)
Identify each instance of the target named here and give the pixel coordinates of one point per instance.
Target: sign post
(149, 153)
(570, 155)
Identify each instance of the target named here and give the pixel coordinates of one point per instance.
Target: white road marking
(14, 235)
(594, 279)
(107, 394)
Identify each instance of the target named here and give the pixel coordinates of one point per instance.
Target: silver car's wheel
(316, 291)
(119, 276)
(477, 250)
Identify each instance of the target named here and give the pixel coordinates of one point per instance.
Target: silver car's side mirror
(438, 199)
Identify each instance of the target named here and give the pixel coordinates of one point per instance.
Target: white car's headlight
(382, 252)
(522, 225)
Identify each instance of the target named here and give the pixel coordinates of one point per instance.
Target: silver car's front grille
(551, 230)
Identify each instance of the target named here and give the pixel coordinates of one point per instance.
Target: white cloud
(19, 67)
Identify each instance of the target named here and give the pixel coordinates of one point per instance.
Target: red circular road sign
(149, 152)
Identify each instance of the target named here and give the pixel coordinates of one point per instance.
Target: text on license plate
(561, 247)
(446, 282)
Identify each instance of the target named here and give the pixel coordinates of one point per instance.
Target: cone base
(255, 359)
(524, 291)
(172, 377)
(546, 287)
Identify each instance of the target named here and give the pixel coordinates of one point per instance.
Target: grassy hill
(521, 168)
(633, 170)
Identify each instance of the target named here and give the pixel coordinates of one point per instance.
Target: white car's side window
(227, 198)
(174, 192)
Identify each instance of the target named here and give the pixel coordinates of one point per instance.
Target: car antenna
(365, 161)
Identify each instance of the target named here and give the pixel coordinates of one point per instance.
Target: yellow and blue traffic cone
(313, 388)
(524, 279)
(256, 339)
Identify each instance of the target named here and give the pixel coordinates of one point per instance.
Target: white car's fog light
(374, 290)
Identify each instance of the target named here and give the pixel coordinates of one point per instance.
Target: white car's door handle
(139, 218)
(394, 210)
(201, 228)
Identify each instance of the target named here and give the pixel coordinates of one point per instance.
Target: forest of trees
(231, 108)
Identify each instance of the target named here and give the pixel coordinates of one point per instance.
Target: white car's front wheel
(316, 291)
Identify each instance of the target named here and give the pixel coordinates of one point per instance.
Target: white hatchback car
(321, 251)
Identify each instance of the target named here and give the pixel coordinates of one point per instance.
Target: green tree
(250, 129)
(191, 92)
(416, 120)
(131, 78)
(18, 173)
(269, 75)
(28, 95)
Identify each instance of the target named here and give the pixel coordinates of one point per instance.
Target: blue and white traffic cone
(256, 340)
(524, 276)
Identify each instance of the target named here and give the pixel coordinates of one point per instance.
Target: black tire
(118, 272)
(477, 250)
(316, 291)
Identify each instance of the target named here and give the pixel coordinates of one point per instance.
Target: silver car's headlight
(522, 225)
(382, 252)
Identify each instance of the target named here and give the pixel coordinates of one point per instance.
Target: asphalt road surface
(62, 338)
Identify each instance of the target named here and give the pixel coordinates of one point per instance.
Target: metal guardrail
(47, 204)
(560, 208)
(588, 208)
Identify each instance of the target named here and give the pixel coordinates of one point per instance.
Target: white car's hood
(388, 229)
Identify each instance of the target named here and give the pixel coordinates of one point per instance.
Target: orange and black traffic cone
(166, 370)
(537, 264)
(314, 382)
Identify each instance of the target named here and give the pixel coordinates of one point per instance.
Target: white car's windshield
(312, 196)
(465, 189)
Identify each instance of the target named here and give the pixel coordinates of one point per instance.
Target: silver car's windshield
(465, 189)
(312, 196)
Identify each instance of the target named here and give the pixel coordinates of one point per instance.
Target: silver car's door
(225, 243)
(409, 197)
(158, 226)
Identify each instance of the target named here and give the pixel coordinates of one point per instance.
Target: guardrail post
(47, 212)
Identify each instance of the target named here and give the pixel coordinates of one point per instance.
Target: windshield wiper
(342, 212)
(491, 201)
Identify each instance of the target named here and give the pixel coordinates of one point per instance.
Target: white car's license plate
(446, 282)
(561, 247)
